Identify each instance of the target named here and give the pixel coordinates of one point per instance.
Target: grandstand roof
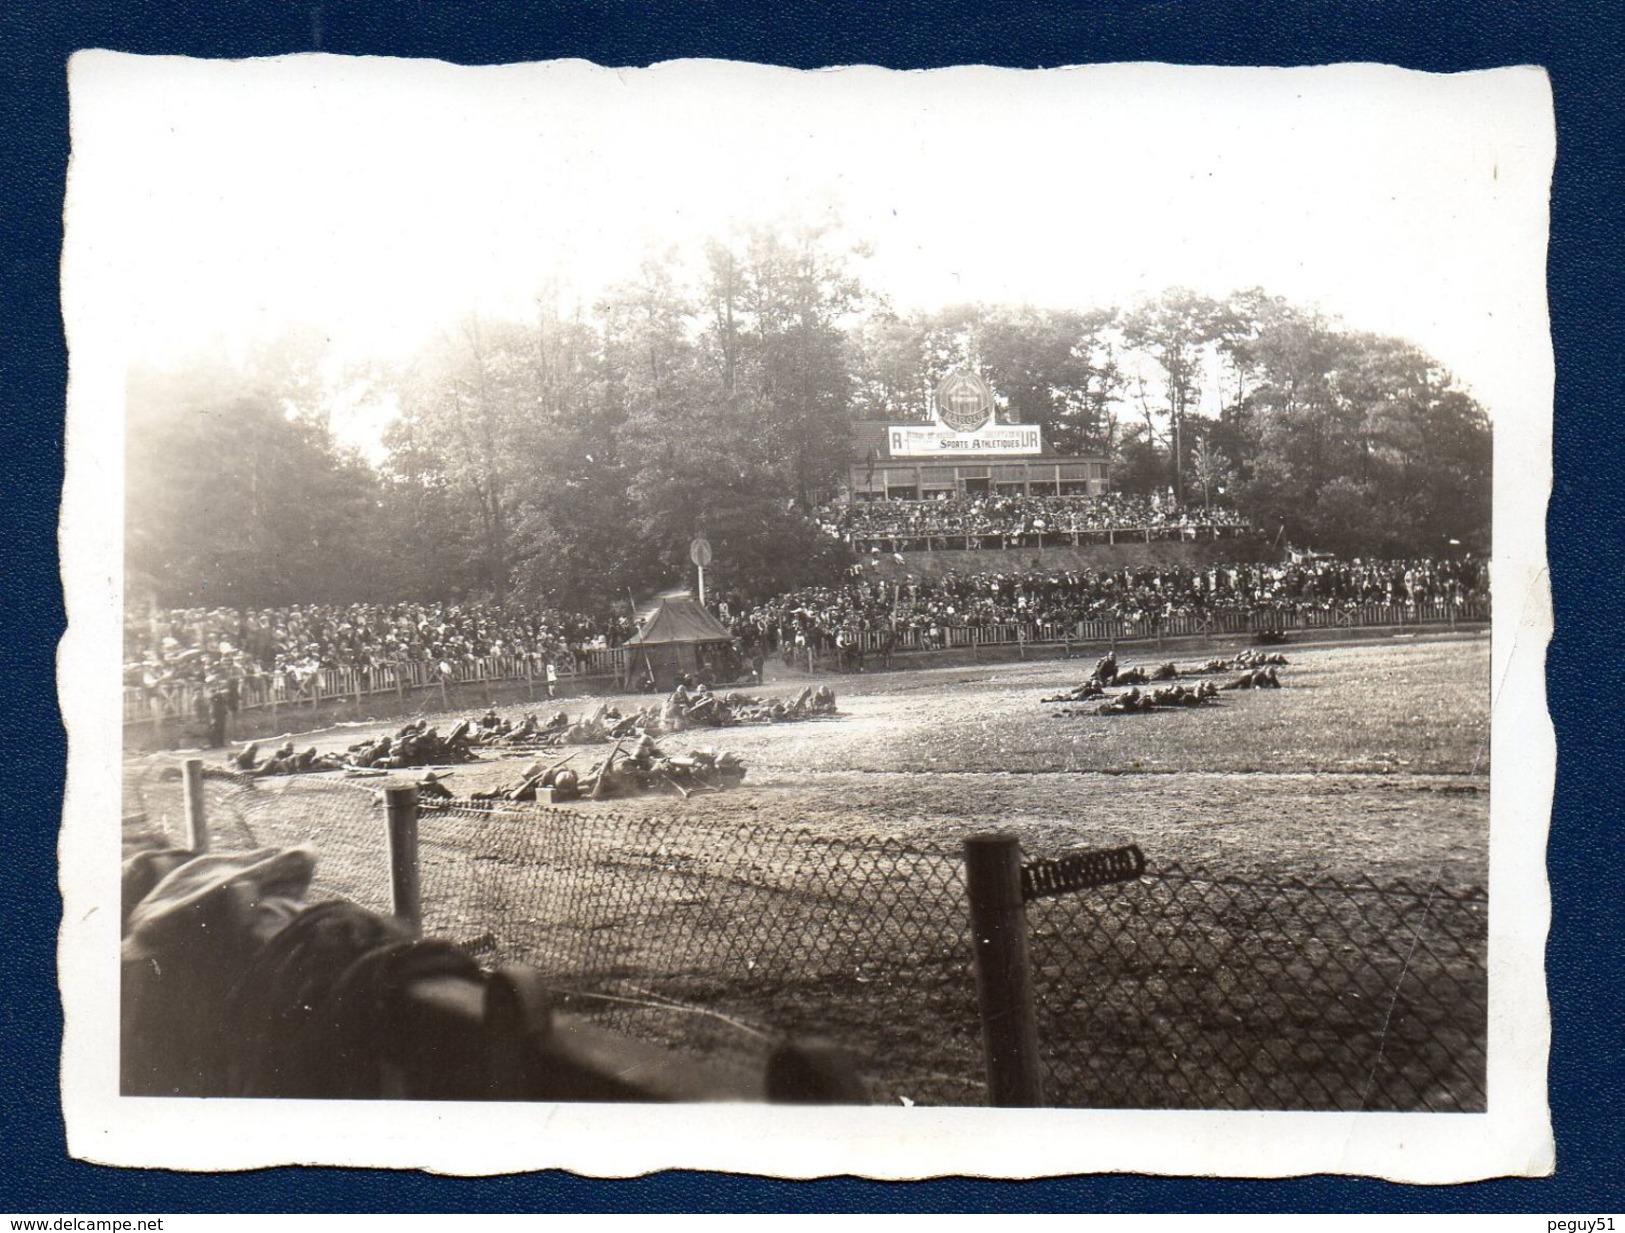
(679, 618)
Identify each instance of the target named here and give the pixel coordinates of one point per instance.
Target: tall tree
(675, 421)
(888, 367)
(1175, 330)
(232, 498)
(484, 411)
(461, 406)
(780, 303)
(1356, 442)
(1056, 369)
(706, 440)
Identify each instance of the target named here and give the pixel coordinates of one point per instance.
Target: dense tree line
(237, 495)
(569, 459)
(1328, 438)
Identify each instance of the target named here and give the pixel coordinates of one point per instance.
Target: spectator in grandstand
(1000, 515)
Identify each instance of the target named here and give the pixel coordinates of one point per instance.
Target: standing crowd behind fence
(261, 657)
(1170, 988)
(1121, 604)
(195, 667)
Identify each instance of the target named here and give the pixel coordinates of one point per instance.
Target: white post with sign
(699, 551)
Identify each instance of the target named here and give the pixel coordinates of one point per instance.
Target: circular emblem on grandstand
(964, 401)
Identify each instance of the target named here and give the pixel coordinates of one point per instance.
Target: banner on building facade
(938, 440)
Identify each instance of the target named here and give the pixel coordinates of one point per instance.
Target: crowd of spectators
(1013, 515)
(209, 646)
(214, 649)
(821, 616)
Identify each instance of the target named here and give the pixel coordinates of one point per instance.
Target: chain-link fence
(1181, 989)
(721, 936)
(717, 937)
(1175, 989)
(342, 822)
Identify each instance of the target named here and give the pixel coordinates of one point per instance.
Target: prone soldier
(433, 786)
(1105, 672)
(281, 761)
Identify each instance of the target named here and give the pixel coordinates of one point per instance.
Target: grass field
(823, 895)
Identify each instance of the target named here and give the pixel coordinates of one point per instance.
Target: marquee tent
(680, 637)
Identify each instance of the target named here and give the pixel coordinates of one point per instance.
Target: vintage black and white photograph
(949, 621)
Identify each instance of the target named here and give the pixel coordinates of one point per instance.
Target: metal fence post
(401, 810)
(1004, 985)
(197, 823)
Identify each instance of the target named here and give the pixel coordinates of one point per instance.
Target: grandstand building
(965, 451)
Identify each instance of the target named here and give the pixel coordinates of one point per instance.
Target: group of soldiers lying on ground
(632, 768)
(685, 708)
(417, 744)
(1257, 672)
(695, 706)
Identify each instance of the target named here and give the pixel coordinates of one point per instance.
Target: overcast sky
(216, 203)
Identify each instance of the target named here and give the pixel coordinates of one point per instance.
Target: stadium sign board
(905, 440)
(965, 425)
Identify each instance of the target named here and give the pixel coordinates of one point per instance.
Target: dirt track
(1372, 758)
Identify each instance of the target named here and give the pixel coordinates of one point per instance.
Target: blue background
(1579, 43)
